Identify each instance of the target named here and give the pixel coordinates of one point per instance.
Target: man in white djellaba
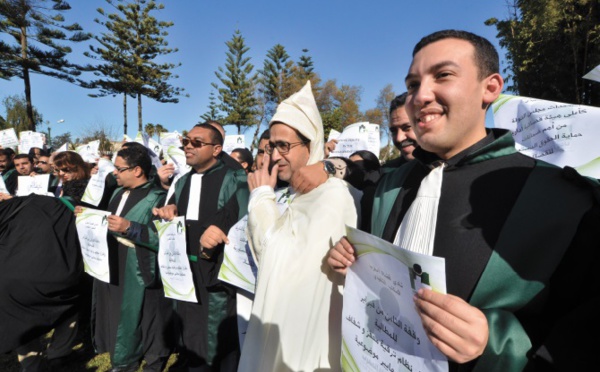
(295, 323)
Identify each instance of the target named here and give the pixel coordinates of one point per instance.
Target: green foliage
(238, 84)
(213, 109)
(276, 77)
(339, 105)
(550, 45)
(35, 30)
(128, 54)
(154, 129)
(61, 139)
(15, 107)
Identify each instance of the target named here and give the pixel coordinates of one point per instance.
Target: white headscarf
(300, 112)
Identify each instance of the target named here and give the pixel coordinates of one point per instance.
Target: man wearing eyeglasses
(131, 310)
(212, 197)
(292, 326)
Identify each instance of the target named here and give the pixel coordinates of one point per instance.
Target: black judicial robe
(40, 268)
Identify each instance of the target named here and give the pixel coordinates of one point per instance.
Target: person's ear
(217, 150)
(492, 86)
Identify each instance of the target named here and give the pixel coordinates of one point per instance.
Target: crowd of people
(516, 259)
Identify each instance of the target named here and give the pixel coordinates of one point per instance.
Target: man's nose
(423, 94)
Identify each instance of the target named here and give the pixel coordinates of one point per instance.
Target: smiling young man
(296, 313)
(514, 259)
(212, 197)
(130, 313)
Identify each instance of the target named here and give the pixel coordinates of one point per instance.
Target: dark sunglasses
(41, 162)
(195, 143)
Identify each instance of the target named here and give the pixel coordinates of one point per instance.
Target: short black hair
(23, 156)
(266, 135)
(215, 136)
(8, 152)
(370, 160)
(137, 157)
(398, 101)
(133, 144)
(246, 155)
(486, 56)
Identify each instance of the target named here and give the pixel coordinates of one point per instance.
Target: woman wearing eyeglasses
(74, 173)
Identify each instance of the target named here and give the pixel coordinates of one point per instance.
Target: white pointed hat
(300, 112)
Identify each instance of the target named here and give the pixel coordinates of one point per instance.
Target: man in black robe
(39, 273)
(130, 314)
(213, 197)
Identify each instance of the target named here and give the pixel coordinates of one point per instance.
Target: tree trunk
(30, 118)
(124, 114)
(140, 126)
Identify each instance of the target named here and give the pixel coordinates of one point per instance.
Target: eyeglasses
(121, 170)
(281, 146)
(41, 162)
(195, 143)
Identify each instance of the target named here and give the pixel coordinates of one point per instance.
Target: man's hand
(262, 176)
(78, 209)
(168, 212)
(117, 224)
(308, 178)
(165, 173)
(5, 196)
(330, 147)
(459, 330)
(341, 256)
(212, 237)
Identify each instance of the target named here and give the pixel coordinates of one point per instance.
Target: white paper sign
(89, 152)
(594, 74)
(558, 133)
(95, 187)
(3, 188)
(168, 139)
(8, 138)
(154, 147)
(64, 147)
(92, 229)
(29, 139)
(381, 329)
(233, 142)
(175, 270)
(355, 137)
(37, 184)
(238, 267)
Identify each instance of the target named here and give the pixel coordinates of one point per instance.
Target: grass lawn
(83, 359)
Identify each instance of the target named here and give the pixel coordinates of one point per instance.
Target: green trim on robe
(384, 200)
(128, 347)
(539, 228)
(535, 226)
(8, 173)
(228, 187)
(235, 183)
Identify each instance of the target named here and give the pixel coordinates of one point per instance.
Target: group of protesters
(519, 265)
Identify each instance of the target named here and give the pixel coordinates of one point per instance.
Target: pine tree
(237, 94)
(36, 30)
(213, 109)
(134, 41)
